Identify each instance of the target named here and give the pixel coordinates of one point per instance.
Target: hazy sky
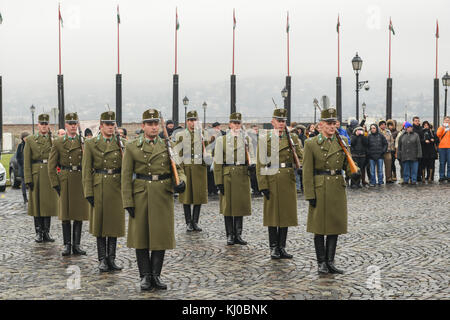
(29, 42)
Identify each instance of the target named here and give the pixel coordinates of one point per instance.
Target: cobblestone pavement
(396, 248)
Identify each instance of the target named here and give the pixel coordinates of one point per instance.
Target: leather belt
(39, 161)
(234, 165)
(107, 171)
(328, 172)
(71, 168)
(281, 165)
(153, 177)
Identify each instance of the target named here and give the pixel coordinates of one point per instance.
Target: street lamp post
(446, 83)
(364, 109)
(204, 105)
(406, 113)
(185, 102)
(32, 109)
(316, 104)
(357, 65)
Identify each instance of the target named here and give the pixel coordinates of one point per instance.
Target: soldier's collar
(321, 138)
(42, 135)
(66, 137)
(154, 141)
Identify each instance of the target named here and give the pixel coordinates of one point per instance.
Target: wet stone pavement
(396, 248)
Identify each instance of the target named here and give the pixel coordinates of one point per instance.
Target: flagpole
(437, 39)
(233, 39)
(288, 44)
(338, 78)
(59, 24)
(176, 38)
(390, 31)
(339, 53)
(118, 43)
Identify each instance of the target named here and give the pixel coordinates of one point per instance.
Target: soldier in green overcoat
(276, 180)
(191, 145)
(231, 163)
(102, 163)
(324, 163)
(43, 199)
(66, 154)
(148, 185)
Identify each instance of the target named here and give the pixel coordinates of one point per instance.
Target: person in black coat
(377, 147)
(429, 151)
(358, 147)
(417, 128)
(19, 158)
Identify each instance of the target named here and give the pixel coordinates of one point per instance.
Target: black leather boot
(143, 262)
(101, 250)
(238, 225)
(25, 199)
(195, 217)
(38, 227)
(112, 245)
(319, 245)
(76, 249)
(66, 229)
(46, 231)
(273, 242)
(282, 233)
(229, 230)
(330, 252)
(187, 217)
(156, 267)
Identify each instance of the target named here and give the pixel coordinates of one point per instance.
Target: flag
(391, 27)
(1, 18)
(118, 15)
(60, 17)
(287, 23)
(338, 25)
(234, 20)
(437, 29)
(177, 23)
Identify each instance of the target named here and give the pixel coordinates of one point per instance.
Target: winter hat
(407, 125)
(354, 123)
(357, 128)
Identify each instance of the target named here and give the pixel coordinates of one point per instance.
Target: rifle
(173, 165)
(119, 141)
(291, 146)
(81, 136)
(50, 136)
(353, 166)
(246, 146)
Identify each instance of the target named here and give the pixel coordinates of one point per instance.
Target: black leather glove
(180, 188)
(300, 171)
(221, 189)
(266, 193)
(130, 211)
(30, 186)
(90, 200)
(58, 190)
(312, 202)
(356, 176)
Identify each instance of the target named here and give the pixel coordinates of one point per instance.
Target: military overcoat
(153, 225)
(67, 154)
(107, 217)
(43, 198)
(191, 153)
(330, 214)
(231, 170)
(281, 208)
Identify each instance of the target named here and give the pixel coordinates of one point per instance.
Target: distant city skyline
(29, 55)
